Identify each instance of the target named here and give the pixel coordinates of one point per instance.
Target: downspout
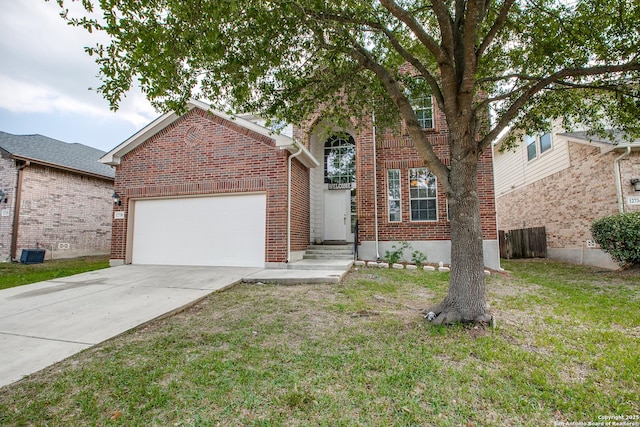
(291, 157)
(495, 203)
(16, 211)
(375, 186)
(616, 170)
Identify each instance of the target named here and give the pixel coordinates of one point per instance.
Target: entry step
(328, 252)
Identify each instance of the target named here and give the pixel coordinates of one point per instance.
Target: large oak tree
(519, 62)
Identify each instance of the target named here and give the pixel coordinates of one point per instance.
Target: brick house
(563, 181)
(209, 189)
(54, 196)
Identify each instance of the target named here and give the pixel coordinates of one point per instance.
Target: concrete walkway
(303, 272)
(46, 322)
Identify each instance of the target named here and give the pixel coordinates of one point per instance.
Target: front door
(340, 188)
(337, 215)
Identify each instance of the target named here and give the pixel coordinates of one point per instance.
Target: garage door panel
(216, 231)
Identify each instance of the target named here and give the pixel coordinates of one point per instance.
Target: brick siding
(567, 202)
(65, 213)
(228, 158)
(225, 158)
(398, 152)
(300, 197)
(8, 177)
(395, 151)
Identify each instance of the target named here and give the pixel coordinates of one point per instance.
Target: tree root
(446, 314)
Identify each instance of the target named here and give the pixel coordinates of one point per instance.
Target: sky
(46, 76)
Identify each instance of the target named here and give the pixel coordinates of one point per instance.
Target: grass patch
(296, 355)
(15, 274)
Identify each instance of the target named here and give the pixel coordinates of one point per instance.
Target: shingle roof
(42, 149)
(614, 138)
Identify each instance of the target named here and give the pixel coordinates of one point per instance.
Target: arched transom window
(339, 160)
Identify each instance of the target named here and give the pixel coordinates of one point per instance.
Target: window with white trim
(423, 108)
(340, 160)
(532, 149)
(423, 195)
(538, 144)
(421, 102)
(545, 142)
(394, 195)
(448, 217)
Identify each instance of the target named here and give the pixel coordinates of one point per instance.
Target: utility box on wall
(32, 256)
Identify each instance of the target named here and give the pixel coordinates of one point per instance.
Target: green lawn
(566, 348)
(14, 274)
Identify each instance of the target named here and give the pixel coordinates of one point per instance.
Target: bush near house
(619, 236)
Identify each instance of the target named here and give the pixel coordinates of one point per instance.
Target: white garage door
(214, 231)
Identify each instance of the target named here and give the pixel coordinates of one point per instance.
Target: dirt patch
(504, 286)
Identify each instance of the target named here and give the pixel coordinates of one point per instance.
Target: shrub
(396, 253)
(619, 236)
(418, 258)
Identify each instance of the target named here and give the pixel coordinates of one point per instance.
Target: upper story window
(532, 149)
(423, 195)
(423, 107)
(537, 144)
(545, 142)
(421, 102)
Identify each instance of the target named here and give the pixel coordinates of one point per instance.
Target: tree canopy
(519, 62)
(531, 58)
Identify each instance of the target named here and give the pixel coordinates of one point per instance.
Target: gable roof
(50, 152)
(114, 156)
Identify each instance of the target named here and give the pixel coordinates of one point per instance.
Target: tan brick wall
(629, 169)
(66, 213)
(567, 202)
(226, 159)
(8, 176)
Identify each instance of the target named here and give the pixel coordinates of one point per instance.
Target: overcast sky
(45, 77)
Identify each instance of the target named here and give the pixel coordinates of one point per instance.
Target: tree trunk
(465, 301)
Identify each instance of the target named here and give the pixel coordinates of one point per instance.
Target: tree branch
(506, 77)
(377, 26)
(409, 20)
(446, 27)
(495, 28)
(544, 83)
(421, 143)
(433, 83)
(471, 23)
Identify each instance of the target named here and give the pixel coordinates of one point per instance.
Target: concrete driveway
(46, 322)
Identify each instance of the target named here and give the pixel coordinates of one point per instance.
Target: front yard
(566, 349)
(15, 274)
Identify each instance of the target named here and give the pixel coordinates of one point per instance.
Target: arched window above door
(339, 160)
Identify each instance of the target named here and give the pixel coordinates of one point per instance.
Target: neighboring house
(563, 181)
(54, 196)
(209, 189)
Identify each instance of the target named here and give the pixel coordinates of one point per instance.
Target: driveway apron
(46, 322)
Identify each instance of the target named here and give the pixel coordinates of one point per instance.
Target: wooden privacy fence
(523, 243)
